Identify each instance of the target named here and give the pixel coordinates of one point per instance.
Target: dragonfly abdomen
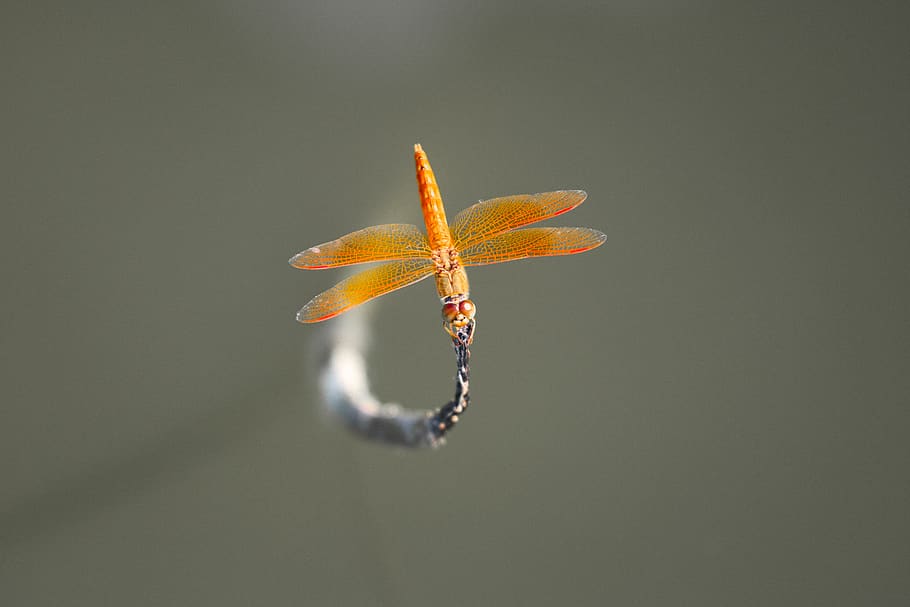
(434, 213)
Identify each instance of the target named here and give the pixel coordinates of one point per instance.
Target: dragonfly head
(458, 315)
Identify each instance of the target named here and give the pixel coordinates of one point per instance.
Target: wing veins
(532, 242)
(388, 242)
(490, 218)
(364, 286)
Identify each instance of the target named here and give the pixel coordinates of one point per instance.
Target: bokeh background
(711, 409)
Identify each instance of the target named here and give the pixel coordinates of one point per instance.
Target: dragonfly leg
(448, 329)
(463, 334)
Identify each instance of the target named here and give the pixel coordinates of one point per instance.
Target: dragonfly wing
(378, 243)
(493, 217)
(364, 286)
(532, 242)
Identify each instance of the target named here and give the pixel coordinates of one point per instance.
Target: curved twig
(345, 389)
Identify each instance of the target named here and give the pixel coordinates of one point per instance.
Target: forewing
(364, 286)
(532, 242)
(493, 217)
(378, 243)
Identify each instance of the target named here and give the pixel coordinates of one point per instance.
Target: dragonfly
(491, 231)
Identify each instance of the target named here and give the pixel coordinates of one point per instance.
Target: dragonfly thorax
(451, 279)
(445, 258)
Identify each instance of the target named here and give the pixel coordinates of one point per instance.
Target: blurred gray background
(711, 409)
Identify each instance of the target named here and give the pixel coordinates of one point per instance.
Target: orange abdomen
(434, 214)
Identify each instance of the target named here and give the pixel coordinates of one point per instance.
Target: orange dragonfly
(484, 233)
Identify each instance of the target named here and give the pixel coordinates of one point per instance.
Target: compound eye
(450, 312)
(467, 308)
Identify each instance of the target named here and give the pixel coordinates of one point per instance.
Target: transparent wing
(364, 286)
(532, 242)
(378, 243)
(493, 217)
